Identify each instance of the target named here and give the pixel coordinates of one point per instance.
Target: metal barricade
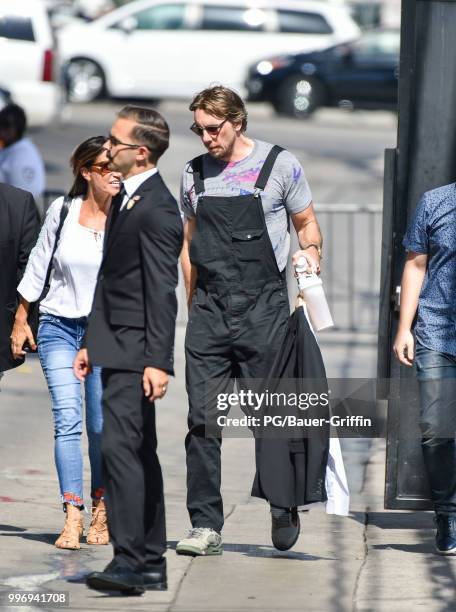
(352, 237)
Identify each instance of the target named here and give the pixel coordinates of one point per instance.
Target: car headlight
(265, 67)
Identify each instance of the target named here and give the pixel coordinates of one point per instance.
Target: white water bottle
(311, 289)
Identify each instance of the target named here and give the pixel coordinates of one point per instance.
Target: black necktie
(116, 204)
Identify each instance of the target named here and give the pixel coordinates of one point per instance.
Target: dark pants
(229, 335)
(436, 373)
(134, 485)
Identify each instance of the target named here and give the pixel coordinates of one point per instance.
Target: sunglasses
(212, 130)
(101, 168)
(115, 142)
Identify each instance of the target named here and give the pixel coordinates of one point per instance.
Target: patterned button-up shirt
(433, 231)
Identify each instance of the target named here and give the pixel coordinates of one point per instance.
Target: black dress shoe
(154, 576)
(116, 577)
(445, 539)
(285, 527)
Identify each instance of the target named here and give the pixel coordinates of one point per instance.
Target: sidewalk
(373, 560)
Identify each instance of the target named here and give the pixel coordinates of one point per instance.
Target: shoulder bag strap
(63, 215)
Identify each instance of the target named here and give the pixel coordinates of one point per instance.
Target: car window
(303, 23)
(161, 17)
(377, 45)
(16, 27)
(233, 18)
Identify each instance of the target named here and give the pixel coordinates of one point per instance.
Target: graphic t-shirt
(287, 191)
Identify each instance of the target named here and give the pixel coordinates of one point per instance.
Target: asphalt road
(341, 152)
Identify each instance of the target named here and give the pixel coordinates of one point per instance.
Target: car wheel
(84, 80)
(299, 96)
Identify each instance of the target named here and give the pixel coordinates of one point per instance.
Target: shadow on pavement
(47, 538)
(422, 548)
(263, 551)
(401, 520)
(11, 528)
(441, 570)
(358, 517)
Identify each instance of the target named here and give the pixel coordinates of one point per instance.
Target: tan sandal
(72, 530)
(98, 531)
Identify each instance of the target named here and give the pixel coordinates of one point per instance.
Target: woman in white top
(63, 318)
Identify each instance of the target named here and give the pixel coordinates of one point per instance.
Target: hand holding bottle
(311, 289)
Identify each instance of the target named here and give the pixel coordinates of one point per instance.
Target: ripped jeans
(59, 339)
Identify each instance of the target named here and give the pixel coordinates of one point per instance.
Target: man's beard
(216, 152)
(221, 152)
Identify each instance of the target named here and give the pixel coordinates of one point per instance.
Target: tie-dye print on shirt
(287, 191)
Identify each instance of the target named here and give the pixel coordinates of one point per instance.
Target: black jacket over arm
(291, 472)
(19, 227)
(132, 323)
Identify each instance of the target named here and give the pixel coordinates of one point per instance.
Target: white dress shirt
(133, 183)
(75, 265)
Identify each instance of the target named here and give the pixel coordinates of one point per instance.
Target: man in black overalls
(233, 199)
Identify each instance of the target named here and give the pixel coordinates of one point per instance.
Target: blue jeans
(59, 339)
(436, 374)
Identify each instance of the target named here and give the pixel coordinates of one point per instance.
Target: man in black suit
(19, 227)
(131, 335)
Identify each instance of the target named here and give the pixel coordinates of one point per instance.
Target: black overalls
(237, 321)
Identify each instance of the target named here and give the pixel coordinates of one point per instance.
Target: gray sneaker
(200, 541)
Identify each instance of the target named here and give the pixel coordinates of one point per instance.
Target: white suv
(28, 60)
(164, 48)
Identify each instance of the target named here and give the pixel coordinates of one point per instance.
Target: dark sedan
(362, 74)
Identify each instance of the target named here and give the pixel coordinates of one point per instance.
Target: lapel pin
(132, 201)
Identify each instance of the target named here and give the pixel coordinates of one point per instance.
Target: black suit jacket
(133, 316)
(19, 227)
(291, 472)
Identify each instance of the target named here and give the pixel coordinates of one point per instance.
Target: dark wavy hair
(84, 156)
